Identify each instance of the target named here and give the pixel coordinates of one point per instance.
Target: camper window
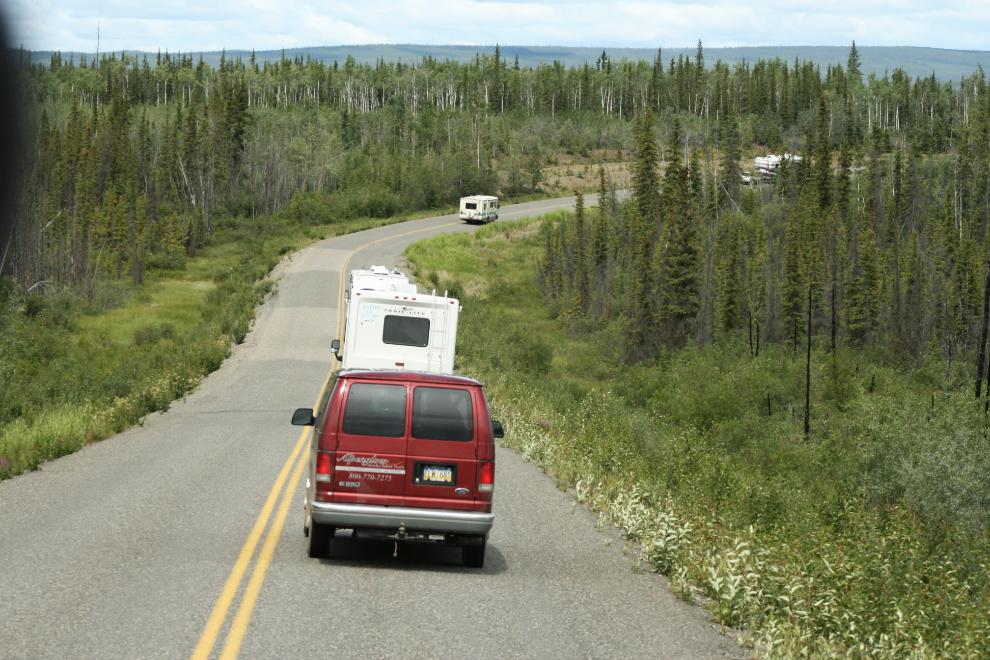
(406, 331)
(470, 206)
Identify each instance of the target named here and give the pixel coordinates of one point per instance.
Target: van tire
(473, 556)
(320, 536)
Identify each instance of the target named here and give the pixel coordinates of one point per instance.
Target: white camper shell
(389, 326)
(479, 208)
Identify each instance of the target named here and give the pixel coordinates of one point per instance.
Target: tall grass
(868, 539)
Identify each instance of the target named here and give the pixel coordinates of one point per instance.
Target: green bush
(174, 261)
(154, 333)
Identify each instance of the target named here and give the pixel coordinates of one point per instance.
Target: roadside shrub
(533, 355)
(154, 333)
(174, 261)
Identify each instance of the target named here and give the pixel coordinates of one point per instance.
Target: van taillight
(323, 466)
(486, 482)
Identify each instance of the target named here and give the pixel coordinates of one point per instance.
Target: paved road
(123, 550)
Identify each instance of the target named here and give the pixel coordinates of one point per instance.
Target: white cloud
(271, 24)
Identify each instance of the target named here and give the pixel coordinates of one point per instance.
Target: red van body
(403, 456)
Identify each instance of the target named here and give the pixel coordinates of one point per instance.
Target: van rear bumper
(354, 516)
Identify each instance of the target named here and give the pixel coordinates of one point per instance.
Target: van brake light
(323, 466)
(486, 480)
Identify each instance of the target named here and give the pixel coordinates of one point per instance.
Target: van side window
(442, 414)
(406, 331)
(374, 409)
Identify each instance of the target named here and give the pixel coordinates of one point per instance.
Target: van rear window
(471, 206)
(406, 331)
(441, 413)
(374, 409)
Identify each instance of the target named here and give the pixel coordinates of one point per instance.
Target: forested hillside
(135, 162)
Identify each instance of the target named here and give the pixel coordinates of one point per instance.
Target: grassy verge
(868, 539)
(78, 366)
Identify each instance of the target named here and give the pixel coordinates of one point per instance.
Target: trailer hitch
(399, 536)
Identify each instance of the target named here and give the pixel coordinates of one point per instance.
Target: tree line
(874, 242)
(136, 163)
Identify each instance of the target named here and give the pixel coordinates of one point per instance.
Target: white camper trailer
(479, 208)
(389, 326)
(379, 278)
(770, 164)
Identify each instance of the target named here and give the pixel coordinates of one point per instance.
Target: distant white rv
(771, 164)
(479, 208)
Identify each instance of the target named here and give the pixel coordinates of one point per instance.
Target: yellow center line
(240, 625)
(219, 614)
(244, 611)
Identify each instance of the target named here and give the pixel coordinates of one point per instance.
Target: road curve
(124, 549)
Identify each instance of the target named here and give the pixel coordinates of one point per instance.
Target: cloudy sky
(184, 25)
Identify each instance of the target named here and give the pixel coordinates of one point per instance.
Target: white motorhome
(479, 208)
(771, 164)
(388, 325)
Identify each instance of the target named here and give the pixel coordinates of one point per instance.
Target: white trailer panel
(389, 326)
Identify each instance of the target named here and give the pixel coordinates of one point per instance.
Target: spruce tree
(579, 241)
(862, 289)
(729, 302)
(822, 177)
(730, 163)
(645, 188)
(681, 258)
(599, 230)
(794, 288)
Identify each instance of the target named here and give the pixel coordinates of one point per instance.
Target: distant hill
(917, 61)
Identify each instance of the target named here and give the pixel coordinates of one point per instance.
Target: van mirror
(497, 429)
(303, 417)
(335, 349)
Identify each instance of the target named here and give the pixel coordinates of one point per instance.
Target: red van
(401, 456)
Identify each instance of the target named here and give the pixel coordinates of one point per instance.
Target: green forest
(133, 161)
(876, 238)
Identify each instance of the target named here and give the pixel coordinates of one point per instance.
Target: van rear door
(370, 465)
(442, 448)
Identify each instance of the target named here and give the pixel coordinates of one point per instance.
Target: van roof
(362, 374)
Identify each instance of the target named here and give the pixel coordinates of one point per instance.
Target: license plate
(437, 475)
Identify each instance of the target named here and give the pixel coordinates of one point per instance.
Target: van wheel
(319, 539)
(473, 556)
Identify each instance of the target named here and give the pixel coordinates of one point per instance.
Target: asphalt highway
(182, 537)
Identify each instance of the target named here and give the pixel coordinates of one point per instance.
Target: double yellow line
(239, 626)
